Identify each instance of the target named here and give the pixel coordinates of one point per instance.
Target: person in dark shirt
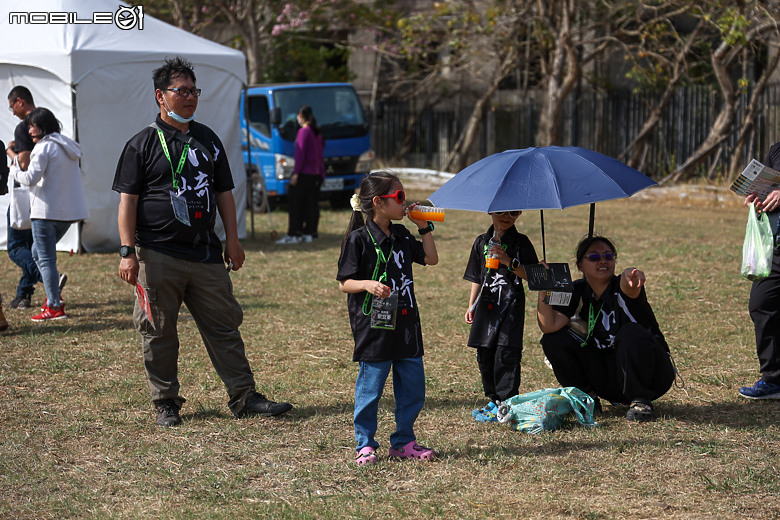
(764, 303)
(20, 241)
(375, 270)
(496, 310)
(607, 342)
(173, 177)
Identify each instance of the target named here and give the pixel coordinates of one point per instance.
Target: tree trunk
(722, 58)
(458, 158)
(749, 121)
(638, 147)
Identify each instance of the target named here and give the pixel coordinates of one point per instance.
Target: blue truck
(269, 126)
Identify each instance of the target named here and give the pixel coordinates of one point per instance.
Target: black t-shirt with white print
(611, 311)
(144, 170)
(499, 316)
(357, 261)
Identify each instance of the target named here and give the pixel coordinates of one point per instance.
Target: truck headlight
(284, 166)
(365, 161)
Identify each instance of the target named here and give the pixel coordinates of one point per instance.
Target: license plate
(332, 184)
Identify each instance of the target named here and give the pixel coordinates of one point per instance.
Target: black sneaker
(167, 413)
(640, 410)
(23, 301)
(258, 404)
(63, 280)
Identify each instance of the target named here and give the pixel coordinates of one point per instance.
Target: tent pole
(544, 249)
(592, 219)
(249, 162)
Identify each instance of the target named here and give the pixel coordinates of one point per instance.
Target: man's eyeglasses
(184, 92)
(513, 214)
(608, 256)
(399, 196)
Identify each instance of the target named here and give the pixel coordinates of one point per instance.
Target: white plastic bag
(758, 246)
(19, 210)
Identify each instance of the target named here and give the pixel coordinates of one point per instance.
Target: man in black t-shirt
(173, 177)
(764, 303)
(20, 241)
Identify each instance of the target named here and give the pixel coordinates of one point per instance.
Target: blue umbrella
(552, 177)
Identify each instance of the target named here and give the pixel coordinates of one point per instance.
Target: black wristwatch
(515, 265)
(425, 230)
(125, 251)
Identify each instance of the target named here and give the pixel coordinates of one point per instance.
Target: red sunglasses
(399, 196)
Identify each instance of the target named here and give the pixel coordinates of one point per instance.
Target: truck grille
(340, 165)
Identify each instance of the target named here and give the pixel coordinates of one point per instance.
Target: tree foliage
(291, 41)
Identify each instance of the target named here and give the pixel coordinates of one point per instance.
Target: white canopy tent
(80, 59)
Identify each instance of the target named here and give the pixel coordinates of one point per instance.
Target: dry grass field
(78, 437)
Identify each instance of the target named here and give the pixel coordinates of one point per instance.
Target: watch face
(124, 251)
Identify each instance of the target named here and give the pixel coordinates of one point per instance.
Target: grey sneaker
(289, 239)
(167, 413)
(22, 301)
(640, 411)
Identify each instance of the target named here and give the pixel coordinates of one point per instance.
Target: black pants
(304, 205)
(500, 370)
(638, 366)
(764, 309)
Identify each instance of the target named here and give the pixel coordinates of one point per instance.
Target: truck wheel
(340, 199)
(256, 189)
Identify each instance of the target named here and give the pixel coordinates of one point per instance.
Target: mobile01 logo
(124, 18)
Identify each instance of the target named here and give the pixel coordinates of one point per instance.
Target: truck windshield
(337, 109)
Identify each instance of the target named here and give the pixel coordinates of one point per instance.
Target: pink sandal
(366, 456)
(412, 450)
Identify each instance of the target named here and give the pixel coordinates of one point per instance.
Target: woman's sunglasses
(608, 256)
(513, 214)
(399, 196)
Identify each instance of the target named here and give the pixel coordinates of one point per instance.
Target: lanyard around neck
(592, 319)
(380, 259)
(182, 158)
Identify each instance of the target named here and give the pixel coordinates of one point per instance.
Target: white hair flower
(355, 202)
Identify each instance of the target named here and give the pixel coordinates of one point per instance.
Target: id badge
(383, 312)
(180, 210)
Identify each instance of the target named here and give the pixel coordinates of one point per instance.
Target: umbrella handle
(544, 248)
(592, 219)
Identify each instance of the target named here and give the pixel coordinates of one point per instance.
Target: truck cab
(269, 127)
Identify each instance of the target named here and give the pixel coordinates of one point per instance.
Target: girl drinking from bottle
(496, 310)
(375, 270)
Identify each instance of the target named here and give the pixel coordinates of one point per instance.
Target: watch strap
(425, 230)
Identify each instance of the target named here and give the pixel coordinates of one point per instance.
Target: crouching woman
(607, 342)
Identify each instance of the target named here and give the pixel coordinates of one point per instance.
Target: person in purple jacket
(306, 181)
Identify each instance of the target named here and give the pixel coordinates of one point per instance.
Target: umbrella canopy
(552, 177)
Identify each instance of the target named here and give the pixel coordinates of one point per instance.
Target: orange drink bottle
(491, 261)
(427, 213)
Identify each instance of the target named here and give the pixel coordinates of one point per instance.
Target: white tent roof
(72, 51)
(96, 78)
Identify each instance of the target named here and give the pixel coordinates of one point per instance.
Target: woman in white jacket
(57, 199)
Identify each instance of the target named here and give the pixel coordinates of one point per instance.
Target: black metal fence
(603, 122)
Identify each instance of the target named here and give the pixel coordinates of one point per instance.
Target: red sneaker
(46, 303)
(51, 314)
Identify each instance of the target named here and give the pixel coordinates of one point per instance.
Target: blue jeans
(19, 248)
(409, 390)
(46, 234)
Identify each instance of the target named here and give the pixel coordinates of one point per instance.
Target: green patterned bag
(546, 409)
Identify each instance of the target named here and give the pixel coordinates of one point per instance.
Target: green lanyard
(592, 319)
(183, 158)
(380, 259)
